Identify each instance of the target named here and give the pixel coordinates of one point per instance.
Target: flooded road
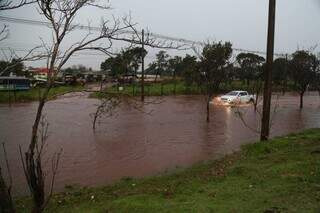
(133, 144)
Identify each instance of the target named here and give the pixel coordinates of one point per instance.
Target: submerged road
(133, 144)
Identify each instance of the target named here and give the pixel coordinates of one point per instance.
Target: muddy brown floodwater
(133, 144)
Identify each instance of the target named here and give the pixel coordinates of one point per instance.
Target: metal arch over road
(193, 43)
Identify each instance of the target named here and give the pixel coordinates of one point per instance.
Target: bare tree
(110, 103)
(61, 15)
(36, 179)
(107, 107)
(256, 128)
(6, 204)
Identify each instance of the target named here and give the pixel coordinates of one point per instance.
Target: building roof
(40, 70)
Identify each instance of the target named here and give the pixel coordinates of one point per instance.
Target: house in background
(39, 74)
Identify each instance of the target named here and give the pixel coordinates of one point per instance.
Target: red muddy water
(133, 144)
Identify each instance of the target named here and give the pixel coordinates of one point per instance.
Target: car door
(244, 97)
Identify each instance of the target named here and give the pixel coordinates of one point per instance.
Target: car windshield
(232, 93)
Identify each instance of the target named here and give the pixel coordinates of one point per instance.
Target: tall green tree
(175, 67)
(161, 63)
(124, 63)
(303, 70)
(249, 66)
(215, 59)
(190, 72)
(280, 73)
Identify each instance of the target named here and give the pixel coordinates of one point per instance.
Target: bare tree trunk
(257, 93)
(9, 97)
(208, 108)
(133, 89)
(284, 87)
(33, 165)
(301, 99)
(6, 204)
(156, 78)
(101, 85)
(174, 82)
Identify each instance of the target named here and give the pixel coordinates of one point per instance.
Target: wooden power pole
(265, 126)
(142, 67)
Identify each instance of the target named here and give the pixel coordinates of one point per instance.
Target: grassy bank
(33, 94)
(169, 88)
(282, 175)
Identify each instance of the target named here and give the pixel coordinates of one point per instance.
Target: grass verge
(169, 88)
(33, 94)
(282, 175)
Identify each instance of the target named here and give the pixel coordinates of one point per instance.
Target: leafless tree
(36, 179)
(6, 204)
(110, 103)
(61, 15)
(256, 128)
(257, 88)
(107, 108)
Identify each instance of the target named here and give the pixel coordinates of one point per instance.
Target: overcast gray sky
(243, 22)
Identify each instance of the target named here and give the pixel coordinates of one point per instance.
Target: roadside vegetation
(213, 72)
(169, 88)
(281, 175)
(33, 94)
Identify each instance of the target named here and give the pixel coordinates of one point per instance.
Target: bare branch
(32, 55)
(111, 101)
(8, 168)
(10, 5)
(4, 33)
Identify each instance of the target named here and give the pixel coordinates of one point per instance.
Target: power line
(155, 35)
(79, 54)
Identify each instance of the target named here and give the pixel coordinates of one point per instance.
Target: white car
(237, 97)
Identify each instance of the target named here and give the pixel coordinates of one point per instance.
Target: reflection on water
(136, 144)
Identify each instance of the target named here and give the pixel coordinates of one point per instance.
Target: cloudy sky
(243, 22)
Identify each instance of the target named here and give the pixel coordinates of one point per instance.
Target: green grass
(33, 94)
(282, 175)
(168, 88)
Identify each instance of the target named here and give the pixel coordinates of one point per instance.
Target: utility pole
(142, 67)
(285, 83)
(265, 126)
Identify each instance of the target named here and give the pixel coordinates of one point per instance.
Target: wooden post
(14, 93)
(142, 68)
(265, 126)
(161, 88)
(174, 82)
(8, 87)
